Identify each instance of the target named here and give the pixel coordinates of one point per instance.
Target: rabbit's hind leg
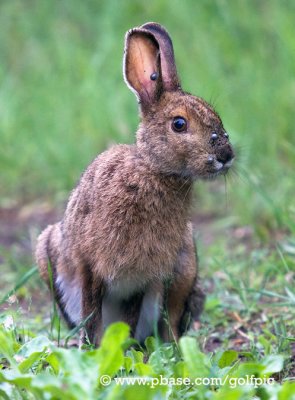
(68, 295)
(93, 290)
(66, 292)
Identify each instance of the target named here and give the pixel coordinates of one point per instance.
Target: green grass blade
(24, 279)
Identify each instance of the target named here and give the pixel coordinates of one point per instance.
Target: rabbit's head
(180, 134)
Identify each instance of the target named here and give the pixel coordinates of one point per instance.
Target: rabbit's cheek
(196, 164)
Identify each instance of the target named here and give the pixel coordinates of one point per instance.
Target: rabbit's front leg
(184, 296)
(115, 309)
(150, 311)
(193, 307)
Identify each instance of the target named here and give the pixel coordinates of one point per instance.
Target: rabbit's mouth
(223, 167)
(218, 167)
(221, 160)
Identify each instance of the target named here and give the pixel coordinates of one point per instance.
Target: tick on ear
(154, 76)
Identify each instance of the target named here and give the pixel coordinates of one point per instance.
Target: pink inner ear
(147, 65)
(148, 85)
(141, 63)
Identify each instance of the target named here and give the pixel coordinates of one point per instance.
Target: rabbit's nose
(224, 154)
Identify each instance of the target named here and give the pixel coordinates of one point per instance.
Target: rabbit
(124, 249)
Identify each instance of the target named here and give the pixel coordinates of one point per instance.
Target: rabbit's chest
(142, 241)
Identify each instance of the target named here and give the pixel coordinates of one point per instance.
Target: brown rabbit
(124, 249)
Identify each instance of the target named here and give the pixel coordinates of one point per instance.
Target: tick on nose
(213, 138)
(225, 154)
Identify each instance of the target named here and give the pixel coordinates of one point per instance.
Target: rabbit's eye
(179, 124)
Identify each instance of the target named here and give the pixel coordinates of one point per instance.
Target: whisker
(183, 184)
(188, 190)
(214, 99)
(226, 193)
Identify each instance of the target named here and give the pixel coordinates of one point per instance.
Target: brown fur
(125, 238)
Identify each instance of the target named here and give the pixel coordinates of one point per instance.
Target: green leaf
(180, 369)
(143, 369)
(25, 365)
(37, 344)
(273, 364)
(137, 356)
(196, 361)
(249, 368)
(229, 370)
(287, 391)
(128, 362)
(150, 344)
(15, 377)
(115, 335)
(32, 351)
(265, 343)
(7, 346)
(53, 361)
(145, 392)
(136, 391)
(234, 393)
(247, 354)
(58, 388)
(227, 358)
(78, 371)
(110, 354)
(6, 391)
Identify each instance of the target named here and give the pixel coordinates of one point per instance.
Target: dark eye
(179, 124)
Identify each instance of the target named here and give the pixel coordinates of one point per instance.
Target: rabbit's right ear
(142, 65)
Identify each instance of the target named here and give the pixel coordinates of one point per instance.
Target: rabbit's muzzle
(225, 155)
(221, 160)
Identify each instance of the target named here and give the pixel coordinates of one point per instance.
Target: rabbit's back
(125, 219)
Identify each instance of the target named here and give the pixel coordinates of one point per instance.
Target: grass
(62, 101)
(247, 329)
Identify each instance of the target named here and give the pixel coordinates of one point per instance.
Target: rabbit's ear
(149, 66)
(142, 64)
(168, 68)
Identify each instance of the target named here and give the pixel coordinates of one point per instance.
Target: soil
(16, 223)
(19, 227)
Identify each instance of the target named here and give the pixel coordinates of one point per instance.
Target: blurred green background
(63, 98)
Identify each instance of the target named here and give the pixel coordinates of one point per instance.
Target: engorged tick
(154, 76)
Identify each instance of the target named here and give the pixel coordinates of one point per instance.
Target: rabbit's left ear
(149, 66)
(168, 68)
